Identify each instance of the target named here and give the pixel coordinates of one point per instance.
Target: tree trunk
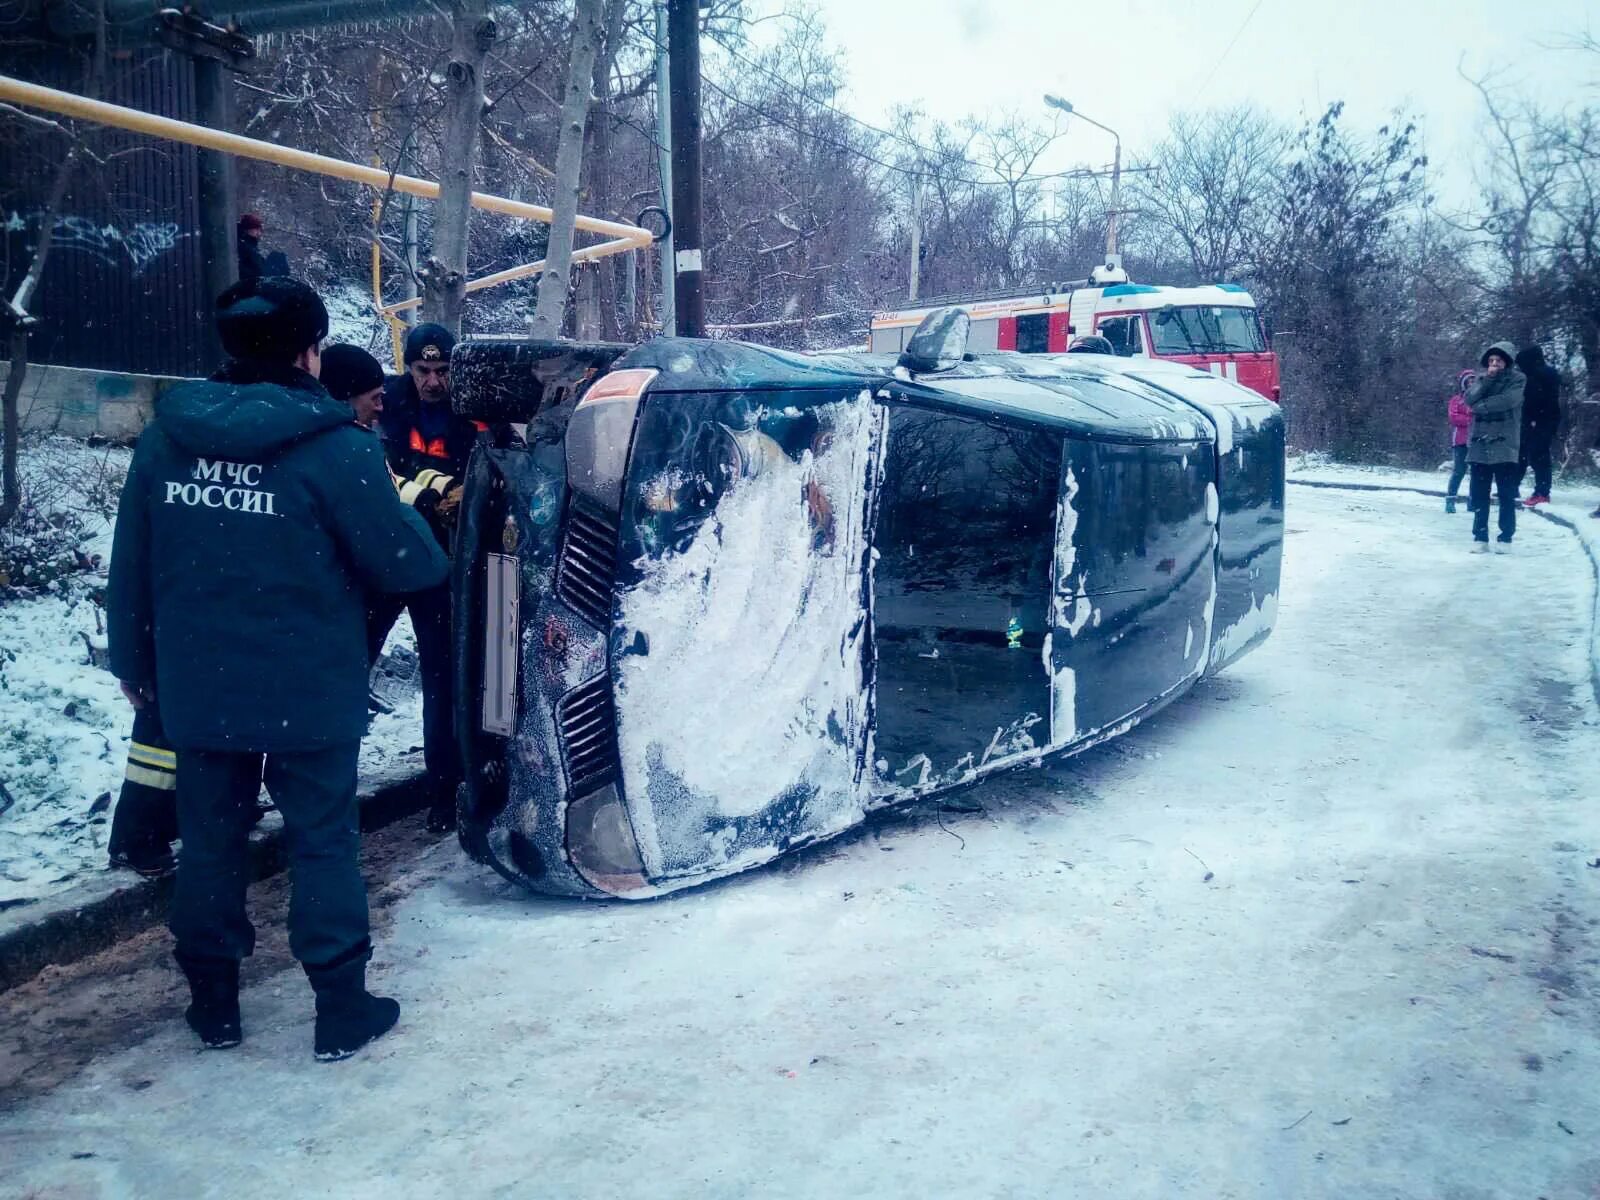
(552, 302)
(11, 489)
(445, 277)
(20, 322)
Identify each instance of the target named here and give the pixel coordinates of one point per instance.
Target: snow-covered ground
(1326, 928)
(64, 725)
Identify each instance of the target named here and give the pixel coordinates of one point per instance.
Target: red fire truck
(1214, 327)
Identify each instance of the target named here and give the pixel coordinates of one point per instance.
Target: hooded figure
(255, 519)
(1496, 404)
(1494, 442)
(1541, 415)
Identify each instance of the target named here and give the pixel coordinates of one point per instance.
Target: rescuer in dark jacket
(255, 519)
(1541, 414)
(427, 445)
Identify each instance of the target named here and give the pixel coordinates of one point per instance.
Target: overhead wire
(923, 152)
(1227, 50)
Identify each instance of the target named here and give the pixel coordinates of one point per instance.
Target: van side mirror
(939, 343)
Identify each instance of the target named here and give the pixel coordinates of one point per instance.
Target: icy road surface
(1388, 987)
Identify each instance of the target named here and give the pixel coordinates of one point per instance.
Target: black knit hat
(348, 371)
(429, 343)
(274, 318)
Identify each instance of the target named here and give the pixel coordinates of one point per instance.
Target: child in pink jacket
(1460, 423)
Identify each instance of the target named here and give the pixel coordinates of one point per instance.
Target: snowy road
(1388, 988)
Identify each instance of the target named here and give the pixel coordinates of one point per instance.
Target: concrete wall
(87, 403)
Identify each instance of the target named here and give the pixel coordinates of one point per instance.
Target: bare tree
(16, 314)
(1214, 180)
(552, 305)
(445, 277)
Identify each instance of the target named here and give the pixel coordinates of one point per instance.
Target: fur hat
(273, 318)
(348, 371)
(429, 343)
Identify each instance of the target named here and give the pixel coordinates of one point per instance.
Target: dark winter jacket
(426, 463)
(1496, 404)
(251, 264)
(255, 519)
(1541, 402)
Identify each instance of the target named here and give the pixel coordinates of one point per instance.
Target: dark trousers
(315, 790)
(145, 821)
(430, 620)
(1458, 470)
(1536, 454)
(1504, 476)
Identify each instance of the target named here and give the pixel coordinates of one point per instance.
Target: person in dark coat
(253, 262)
(427, 445)
(255, 519)
(1494, 442)
(352, 375)
(252, 265)
(1541, 415)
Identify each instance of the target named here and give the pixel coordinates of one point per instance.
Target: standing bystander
(1493, 445)
(1460, 423)
(1541, 415)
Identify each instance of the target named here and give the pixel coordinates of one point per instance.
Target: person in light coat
(1494, 444)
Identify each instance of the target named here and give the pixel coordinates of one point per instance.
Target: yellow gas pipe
(623, 237)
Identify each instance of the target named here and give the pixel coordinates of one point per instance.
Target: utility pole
(1116, 203)
(916, 231)
(669, 306)
(683, 40)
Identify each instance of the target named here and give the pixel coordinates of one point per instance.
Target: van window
(1033, 333)
(1206, 329)
(1123, 334)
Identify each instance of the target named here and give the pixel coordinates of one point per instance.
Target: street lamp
(1065, 106)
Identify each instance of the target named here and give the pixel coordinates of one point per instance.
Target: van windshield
(1205, 329)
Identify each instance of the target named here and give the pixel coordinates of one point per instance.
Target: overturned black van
(722, 601)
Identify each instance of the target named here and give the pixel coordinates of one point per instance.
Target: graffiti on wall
(138, 246)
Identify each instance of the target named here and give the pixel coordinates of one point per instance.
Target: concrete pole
(1116, 200)
(916, 234)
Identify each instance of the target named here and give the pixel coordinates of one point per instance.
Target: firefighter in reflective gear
(427, 445)
(145, 822)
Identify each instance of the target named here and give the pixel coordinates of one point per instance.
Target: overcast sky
(1131, 63)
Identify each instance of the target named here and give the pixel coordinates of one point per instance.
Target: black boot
(348, 1016)
(213, 1011)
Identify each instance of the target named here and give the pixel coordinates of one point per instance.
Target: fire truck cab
(1214, 327)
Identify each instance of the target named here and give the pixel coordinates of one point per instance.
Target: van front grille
(587, 574)
(587, 718)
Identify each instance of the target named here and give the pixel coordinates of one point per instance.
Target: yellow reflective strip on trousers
(165, 781)
(153, 756)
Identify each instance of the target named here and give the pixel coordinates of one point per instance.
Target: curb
(108, 907)
(1590, 550)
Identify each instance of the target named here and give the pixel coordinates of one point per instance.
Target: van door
(963, 546)
(1134, 580)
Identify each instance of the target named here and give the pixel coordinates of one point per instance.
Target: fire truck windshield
(1206, 329)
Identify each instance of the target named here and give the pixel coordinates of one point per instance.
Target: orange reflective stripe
(434, 449)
